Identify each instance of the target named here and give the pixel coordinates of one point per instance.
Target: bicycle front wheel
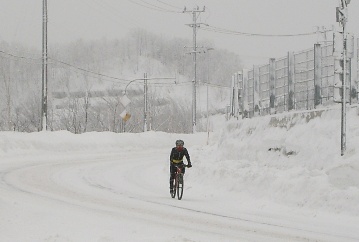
(180, 186)
(173, 194)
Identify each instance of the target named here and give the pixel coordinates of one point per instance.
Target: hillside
(86, 80)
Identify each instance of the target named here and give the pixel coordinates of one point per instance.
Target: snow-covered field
(278, 178)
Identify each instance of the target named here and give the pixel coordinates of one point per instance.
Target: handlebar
(182, 165)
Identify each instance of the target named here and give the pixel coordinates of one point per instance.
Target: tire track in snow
(52, 180)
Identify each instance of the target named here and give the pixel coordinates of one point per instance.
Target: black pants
(173, 170)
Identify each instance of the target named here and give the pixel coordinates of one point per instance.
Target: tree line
(83, 97)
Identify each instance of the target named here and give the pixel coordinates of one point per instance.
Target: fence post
(317, 75)
(245, 105)
(272, 83)
(231, 101)
(240, 92)
(256, 91)
(236, 96)
(291, 91)
(350, 80)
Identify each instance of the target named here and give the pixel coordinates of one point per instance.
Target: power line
(232, 32)
(169, 5)
(155, 6)
(214, 85)
(107, 8)
(188, 82)
(203, 83)
(152, 6)
(21, 57)
(125, 81)
(89, 71)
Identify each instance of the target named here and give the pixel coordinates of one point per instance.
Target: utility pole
(208, 81)
(44, 68)
(342, 18)
(145, 103)
(195, 13)
(322, 34)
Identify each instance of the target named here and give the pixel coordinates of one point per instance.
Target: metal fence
(304, 80)
(300, 81)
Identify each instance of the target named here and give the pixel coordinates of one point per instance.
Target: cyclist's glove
(189, 165)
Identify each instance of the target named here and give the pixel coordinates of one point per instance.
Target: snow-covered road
(123, 196)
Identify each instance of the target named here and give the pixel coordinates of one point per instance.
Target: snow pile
(289, 159)
(13, 143)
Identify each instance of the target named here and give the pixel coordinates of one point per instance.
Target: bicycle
(178, 182)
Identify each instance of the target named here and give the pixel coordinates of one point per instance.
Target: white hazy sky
(21, 21)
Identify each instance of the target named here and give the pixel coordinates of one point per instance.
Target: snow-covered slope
(274, 172)
(292, 159)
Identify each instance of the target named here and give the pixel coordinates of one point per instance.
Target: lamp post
(125, 100)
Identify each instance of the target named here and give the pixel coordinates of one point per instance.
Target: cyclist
(176, 158)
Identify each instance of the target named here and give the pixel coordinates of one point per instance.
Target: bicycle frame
(178, 182)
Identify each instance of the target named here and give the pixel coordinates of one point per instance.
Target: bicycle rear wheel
(180, 185)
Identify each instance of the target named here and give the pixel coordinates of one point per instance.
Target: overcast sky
(69, 20)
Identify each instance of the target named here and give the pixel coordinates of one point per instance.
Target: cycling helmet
(179, 142)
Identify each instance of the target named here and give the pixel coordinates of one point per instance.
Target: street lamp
(125, 100)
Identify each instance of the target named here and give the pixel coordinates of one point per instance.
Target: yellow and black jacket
(177, 156)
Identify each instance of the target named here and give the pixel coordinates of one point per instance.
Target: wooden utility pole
(195, 13)
(44, 68)
(145, 93)
(342, 18)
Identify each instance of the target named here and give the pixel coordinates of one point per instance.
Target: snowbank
(291, 159)
(63, 141)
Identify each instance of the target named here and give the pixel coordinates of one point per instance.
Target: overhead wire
(21, 57)
(89, 71)
(232, 32)
(210, 28)
(214, 85)
(169, 5)
(39, 60)
(120, 12)
(125, 81)
(108, 12)
(121, 80)
(200, 83)
(152, 6)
